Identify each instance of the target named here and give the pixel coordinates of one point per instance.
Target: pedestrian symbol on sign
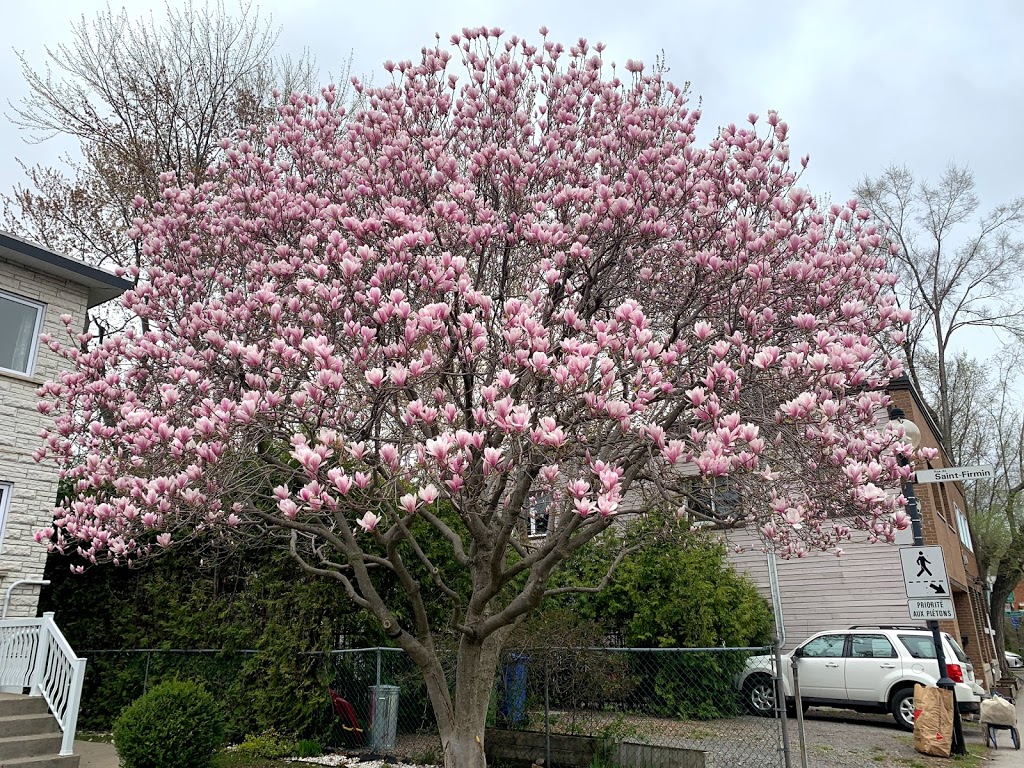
(924, 562)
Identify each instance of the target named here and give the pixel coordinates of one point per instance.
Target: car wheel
(759, 695)
(903, 708)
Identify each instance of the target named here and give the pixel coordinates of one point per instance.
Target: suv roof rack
(889, 626)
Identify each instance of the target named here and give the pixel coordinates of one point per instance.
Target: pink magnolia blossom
(507, 259)
(368, 522)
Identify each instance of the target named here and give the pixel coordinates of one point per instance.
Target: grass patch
(698, 734)
(973, 758)
(100, 737)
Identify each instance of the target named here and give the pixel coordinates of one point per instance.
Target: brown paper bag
(933, 720)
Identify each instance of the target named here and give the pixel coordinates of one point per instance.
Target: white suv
(869, 669)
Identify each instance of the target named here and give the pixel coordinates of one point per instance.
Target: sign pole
(944, 681)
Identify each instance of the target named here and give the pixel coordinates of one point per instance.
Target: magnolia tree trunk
(461, 721)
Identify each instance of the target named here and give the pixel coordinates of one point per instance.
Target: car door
(822, 667)
(872, 665)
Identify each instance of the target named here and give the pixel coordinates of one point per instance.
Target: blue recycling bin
(512, 691)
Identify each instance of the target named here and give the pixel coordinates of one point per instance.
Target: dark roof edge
(102, 285)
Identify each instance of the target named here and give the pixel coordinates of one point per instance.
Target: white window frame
(36, 332)
(963, 527)
(532, 530)
(6, 489)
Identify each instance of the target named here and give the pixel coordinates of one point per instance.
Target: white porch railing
(35, 655)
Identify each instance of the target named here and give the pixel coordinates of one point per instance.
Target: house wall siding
(822, 591)
(33, 486)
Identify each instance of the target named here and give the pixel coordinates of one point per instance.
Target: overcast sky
(862, 84)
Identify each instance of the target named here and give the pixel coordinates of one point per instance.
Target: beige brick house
(37, 286)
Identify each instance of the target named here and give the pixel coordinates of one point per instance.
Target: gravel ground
(841, 739)
(834, 739)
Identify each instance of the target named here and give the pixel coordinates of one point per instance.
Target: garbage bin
(513, 689)
(383, 717)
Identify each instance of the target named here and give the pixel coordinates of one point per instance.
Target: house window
(943, 504)
(963, 527)
(20, 325)
(539, 516)
(5, 503)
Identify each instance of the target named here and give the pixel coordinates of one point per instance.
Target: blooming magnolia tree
(513, 278)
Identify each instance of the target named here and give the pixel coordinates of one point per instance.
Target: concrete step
(28, 725)
(52, 761)
(36, 745)
(13, 704)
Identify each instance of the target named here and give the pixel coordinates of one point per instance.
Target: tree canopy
(511, 280)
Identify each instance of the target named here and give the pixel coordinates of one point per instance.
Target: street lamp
(912, 437)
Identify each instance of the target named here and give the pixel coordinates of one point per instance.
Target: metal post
(798, 700)
(944, 681)
(780, 640)
(547, 709)
(19, 583)
(780, 705)
(378, 668)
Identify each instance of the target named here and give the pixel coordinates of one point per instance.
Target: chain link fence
(629, 707)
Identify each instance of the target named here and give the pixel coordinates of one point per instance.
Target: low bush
(269, 745)
(174, 725)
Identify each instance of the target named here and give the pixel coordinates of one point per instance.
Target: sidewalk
(96, 754)
(1006, 756)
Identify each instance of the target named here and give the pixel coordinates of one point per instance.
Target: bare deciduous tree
(997, 525)
(958, 269)
(143, 98)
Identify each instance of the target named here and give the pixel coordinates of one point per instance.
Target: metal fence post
(547, 709)
(780, 640)
(378, 666)
(145, 677)
(780, 706)
(799, 712)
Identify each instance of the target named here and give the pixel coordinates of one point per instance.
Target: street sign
(924, 572)
(949, 474)
(923, 609)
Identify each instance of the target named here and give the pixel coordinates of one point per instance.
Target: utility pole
(944, 681)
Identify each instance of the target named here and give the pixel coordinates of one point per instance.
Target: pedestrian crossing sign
(924, 572)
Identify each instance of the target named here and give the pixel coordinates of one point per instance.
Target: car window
(871, 647)
(956, 648)
(826, 646)
(919, 646)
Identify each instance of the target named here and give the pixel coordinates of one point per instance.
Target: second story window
(539, 516)
(20, 325)
(963, 527)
